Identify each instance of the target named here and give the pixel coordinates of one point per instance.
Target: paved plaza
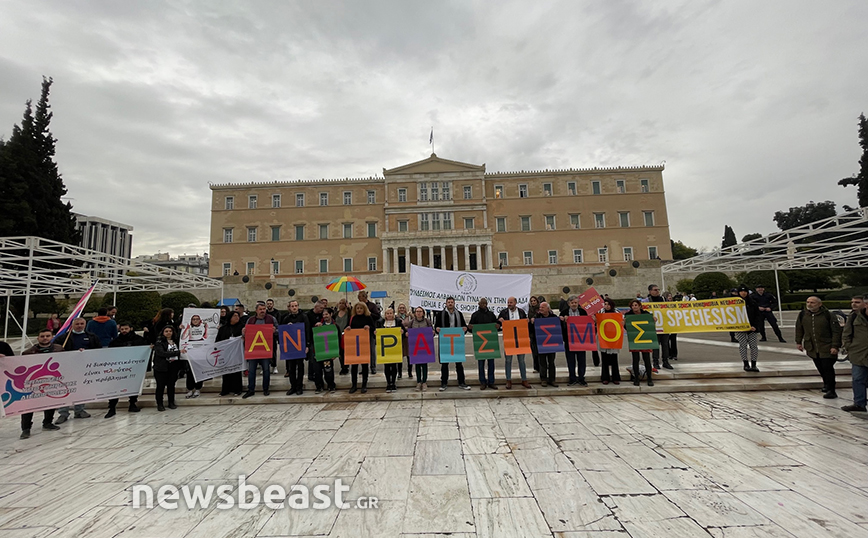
(730, 464)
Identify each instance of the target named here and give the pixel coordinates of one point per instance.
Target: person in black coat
(575, 359)
(232, 383)
(513, 312)
(295, 367)
(127, 337)
(547, 368)
(637, 310)
(77, 339)
(166, 365)
(361, 320)
(482, 316)
(450, 317)
(748, 339)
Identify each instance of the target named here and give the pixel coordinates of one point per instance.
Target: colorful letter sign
(421, 342)
(485, 342)
(591, 301)
(610, 331)
(357, 346)
(292, 341)
(388, 343)
(581, 333)
(516, 337)
(641, 334)
(258, 341)
(549, 337)
(452, 345)
(325, 343)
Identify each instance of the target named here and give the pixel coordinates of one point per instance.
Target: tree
(767, 279)
(811, 279)
(810, 212)
(728, 237)
(685, 286)
(860, 179)
(750, 237)
(706, 283)
(138, 307)
(178, 301)
(680, 251)
(31, 186)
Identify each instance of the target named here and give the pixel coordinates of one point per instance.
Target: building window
(500, 222)
(299, 232)
(550, 222)
(372, 264)
(323, 266)
(595, 187)
(447, 221)
(423, 222)
(251, 268)
(348, 198)
(275, 233)
(348, 265)
(528, 257)
(423, 192)
(468, 192)
(652, 253)
(553, 257)
(227, 268)
(227, 235)
(403, 226)
(547, 189)
(230, 202)
(498, 191)
(577, 256)
(323, 231)
(522, 191)
(435, 221)
(643, 183)
(468, 223)
(251, 235)
(323, 198)
(503, 258)
(299, 267)
(624, 219)
(372, 197)
(620, 187)
(275, 200)
(372, 229)
(447, 193)
(525, 224)
(628, 254)
(575, 222)
(299, 200)
(599, 220)
(251, 201)
(435, 191)
(603, 254)
(649, 218)
(348, 230)
(402, 195)
(571, 188)
(275, 267)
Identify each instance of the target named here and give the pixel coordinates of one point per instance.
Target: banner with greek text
(429, 289)
(421, 343)
(388, 344)
(452, 345)
(485, 342)
(224, 357)
(516, 337)
(641, 335)
(712, 315)
(581, 333)
(51, 380)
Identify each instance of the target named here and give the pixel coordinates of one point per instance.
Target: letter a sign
(258, 341)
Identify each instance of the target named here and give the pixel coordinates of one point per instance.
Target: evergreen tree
(728, 237)
(810, 212)
(860, 179)
(680, 251)
(31, 187)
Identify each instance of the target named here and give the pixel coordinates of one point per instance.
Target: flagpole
(431, 139)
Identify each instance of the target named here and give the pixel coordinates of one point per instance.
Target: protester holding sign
(547, 369)
(401, 316)
(637, 310)
(324, 376)
(450, 317)
(295, 368)
(575, 359)
(43, 345)
(511, 313)
(166, 366)
(609, 357)
(361, 320)
(78, 339)
(391, 368)
(748, 339)
(126, 338)
(262, 346)
(232, 383)
(484, 316)
(662, 351)
(342, 319)
(532, 310)
(418, 321)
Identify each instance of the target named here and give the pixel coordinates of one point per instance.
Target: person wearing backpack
(855, 340)
(818, 334)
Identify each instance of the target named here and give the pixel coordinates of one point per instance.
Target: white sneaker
(195, 394)
(189, 394)
(275, 370)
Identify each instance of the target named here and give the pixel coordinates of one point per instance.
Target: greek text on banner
(429, 289)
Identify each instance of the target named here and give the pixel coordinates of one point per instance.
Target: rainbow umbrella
(345, 284)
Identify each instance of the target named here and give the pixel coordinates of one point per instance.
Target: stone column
(455, 256)
(419, 256)
(396, 252)
(490, 258)
(431, 257)
(466, 257)
(385, 260)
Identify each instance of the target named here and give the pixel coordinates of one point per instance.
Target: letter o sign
(618, 331)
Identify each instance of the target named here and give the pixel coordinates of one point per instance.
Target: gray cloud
(751, 105)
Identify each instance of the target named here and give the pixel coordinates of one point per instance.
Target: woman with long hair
(609, 357)
(748, 339)
(416, 321)
(391, 369)
(166, 355)
(636, 310)
(232, 383)
(341, 319)
(400, 316)
(361, 320)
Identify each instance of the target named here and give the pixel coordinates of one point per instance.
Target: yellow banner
(713, 315)
(389, 350)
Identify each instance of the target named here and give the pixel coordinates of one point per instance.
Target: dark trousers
(327, 374)
(422, 373)
(27, 419)
(444, 373)
(663, 351)
(673, 346)
(489, 379)
(295, 367)
(610, 367)
(232, 383)
(391, 374)
(165, 383)
(646, 357)
(577, 359)
(113, 403)
(191, 383)
(596, 356)
(251, 374)
(826, 367)
(535, 354)
(547, 367)
(773, 321)
(354, 371)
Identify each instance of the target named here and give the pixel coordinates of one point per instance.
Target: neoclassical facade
(442, 214)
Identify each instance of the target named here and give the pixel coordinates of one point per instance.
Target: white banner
(429, 289)
(199, 327)
(207, 362)
(51, 380)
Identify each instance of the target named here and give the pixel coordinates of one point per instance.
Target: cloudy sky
(752, 105)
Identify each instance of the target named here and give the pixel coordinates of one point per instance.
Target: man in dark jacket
(78, 339)
(260, 318)
(276, 314)
(662, 339)
(547, 369)
(574, 358)
(818, 334)
(480, 317)
(766, 303)
(127, 337)
(43, 345)
(513, 312)
(450, 317)
(748, 339)
(295, 367)
(855, 340)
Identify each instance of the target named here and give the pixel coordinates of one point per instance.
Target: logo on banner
(40, 378)
(466, 283)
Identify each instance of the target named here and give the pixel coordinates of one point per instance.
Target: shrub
(178, 301)
(706, 283)
(685, 286)
(766, 278)
(138, 307)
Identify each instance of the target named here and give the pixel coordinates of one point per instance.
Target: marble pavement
(735, 465)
